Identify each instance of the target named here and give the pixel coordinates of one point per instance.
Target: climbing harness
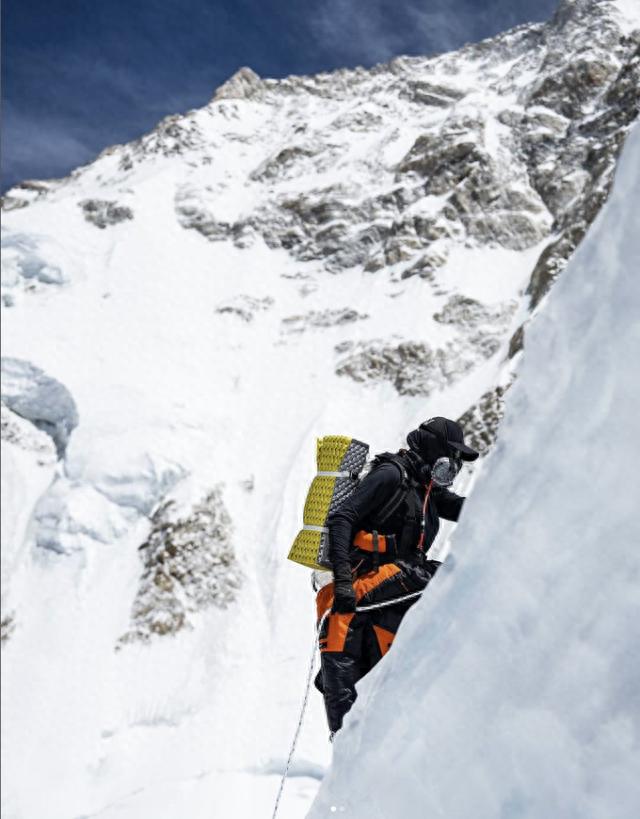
(312, 664)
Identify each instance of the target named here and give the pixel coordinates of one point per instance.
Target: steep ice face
(512, 688)
(344, 253)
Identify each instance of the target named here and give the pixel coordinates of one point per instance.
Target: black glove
(344, 597)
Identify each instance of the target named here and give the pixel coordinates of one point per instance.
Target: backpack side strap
(398, 496)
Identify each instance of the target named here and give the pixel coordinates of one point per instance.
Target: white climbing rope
(302, 712)
(312, 663)
(386, 603)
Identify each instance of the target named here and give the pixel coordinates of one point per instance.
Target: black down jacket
(376, 489)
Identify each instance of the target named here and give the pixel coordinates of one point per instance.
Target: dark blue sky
(78, 75)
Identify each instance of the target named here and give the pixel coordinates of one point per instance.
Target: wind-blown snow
(512, 689)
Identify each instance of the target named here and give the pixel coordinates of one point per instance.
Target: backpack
(342, 463)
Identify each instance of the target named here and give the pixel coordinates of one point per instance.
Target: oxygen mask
(444, 471)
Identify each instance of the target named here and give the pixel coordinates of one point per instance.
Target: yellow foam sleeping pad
(340, 461)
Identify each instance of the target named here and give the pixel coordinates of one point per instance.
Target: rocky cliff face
(509, 143)
(420, 169)
(189, 564)
(349, 252)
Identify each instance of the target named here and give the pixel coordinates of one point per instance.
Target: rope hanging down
(312, 663)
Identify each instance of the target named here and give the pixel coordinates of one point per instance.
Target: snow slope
(345, 253)
(512, 689)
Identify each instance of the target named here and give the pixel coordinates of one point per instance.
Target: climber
(379, 538)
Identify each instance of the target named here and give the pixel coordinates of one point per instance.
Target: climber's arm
(449, 504)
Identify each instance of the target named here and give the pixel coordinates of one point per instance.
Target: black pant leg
(383, 624)
(341, 669)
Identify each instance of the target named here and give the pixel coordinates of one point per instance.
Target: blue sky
(78, 75)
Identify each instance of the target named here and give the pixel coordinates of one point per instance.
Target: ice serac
(28, 462)
(31, 394)
(512, 689)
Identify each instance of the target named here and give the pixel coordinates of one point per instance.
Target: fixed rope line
(312, 663)
(302, 712)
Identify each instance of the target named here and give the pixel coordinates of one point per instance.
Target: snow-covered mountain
(345, 253)
(512, 689)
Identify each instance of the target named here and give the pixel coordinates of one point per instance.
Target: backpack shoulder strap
(400, 494)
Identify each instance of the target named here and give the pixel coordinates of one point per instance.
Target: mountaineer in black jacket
(379, 538)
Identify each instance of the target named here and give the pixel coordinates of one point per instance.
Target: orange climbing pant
(351, 644)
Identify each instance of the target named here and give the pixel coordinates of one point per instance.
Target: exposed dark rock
(568, 90)
(415, 368)
(433, 228)
(481, 421)
(516, 344)
(245, 307)
(411, 367)
(293, 160)
(194, 218)
(322, 319)
(281, 162)
(7, 627)
(465, 312)
(189, 565)
(552, 260)
(102, 213)
(428, 93)
(443, 162)
(515, 231)
(318, 207)
(358, 121)
(426, 265)
(546, 169)
(244, 84)
(175, 135)
(572, 152)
